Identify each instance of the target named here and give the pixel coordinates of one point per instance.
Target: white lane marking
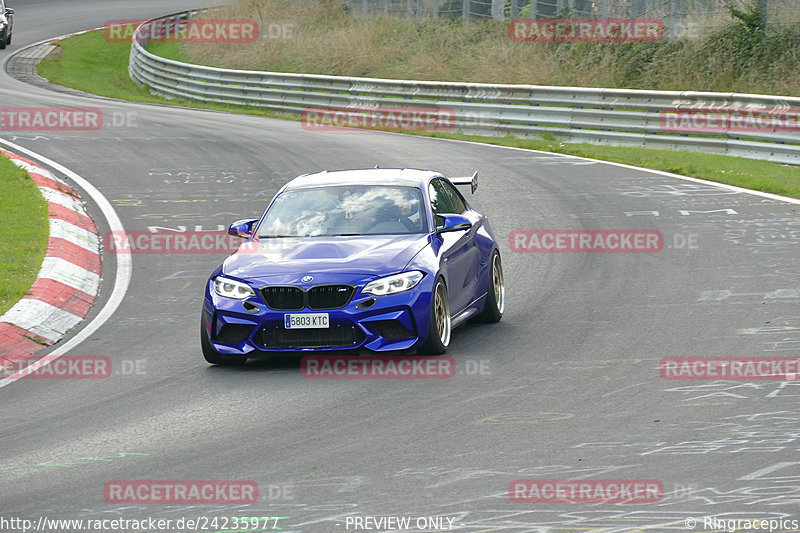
(767, 470)
(121, 280)
(625, 388)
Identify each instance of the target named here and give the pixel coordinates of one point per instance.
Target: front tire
(496, 296)
(4, 41)
(439, 321)
(213, 356)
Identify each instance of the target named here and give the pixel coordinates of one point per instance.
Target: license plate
(306, 321)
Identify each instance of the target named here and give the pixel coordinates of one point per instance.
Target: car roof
(409, 177)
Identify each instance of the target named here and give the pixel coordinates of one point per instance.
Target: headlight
(393, 284)
(232, 289)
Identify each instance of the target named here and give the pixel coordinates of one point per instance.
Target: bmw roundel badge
(307, 279)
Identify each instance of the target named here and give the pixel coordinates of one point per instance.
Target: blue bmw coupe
(374, 259)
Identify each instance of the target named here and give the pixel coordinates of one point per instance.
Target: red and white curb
(69, 279)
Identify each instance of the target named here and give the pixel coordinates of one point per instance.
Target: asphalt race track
(566, 386)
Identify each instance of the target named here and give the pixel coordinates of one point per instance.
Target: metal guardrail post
(673, 21)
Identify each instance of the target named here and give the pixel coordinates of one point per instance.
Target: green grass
(168, 50)
(24, 231)
(737, 57)
(748, 173)
(91, 64)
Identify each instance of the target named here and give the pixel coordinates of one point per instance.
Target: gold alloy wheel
(497, 282)
(441, 310)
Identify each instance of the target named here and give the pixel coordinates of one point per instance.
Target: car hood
(288, 259)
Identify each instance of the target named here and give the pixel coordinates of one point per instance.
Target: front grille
(329, 296)
(281, 298)
(332, 337)
(284, 298)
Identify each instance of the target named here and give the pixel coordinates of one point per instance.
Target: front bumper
(376, 323)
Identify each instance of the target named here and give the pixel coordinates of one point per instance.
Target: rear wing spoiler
(472, 182)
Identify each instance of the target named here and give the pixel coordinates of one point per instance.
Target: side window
(459, 206)
(440, 200)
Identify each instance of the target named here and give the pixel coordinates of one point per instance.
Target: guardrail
(572, 114)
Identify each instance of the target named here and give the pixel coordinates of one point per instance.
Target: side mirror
(242, 228)
(9, 11)
(451, 222)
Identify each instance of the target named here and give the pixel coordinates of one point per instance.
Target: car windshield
(345, 210)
